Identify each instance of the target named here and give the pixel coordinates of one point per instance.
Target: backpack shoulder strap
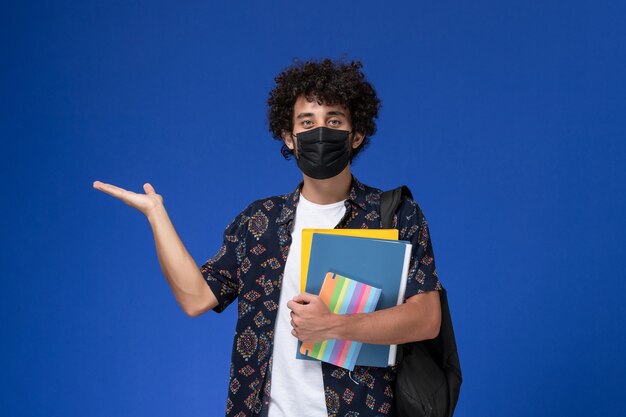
(389, 203)
(442, 349)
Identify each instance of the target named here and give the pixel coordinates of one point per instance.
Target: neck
(328, 191)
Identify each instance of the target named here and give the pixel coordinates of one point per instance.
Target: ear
(288, 139)
(357, 140)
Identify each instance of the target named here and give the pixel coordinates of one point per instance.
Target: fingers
(109, 189)
(300, 301)
(304, 298)
(101, 185)
(118, 191)
(104, 186)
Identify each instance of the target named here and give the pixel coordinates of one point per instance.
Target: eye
(306, 123)
(334, 122)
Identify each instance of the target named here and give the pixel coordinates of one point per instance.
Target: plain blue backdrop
(506, 119)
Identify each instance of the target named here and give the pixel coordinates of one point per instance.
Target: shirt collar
(356, 198)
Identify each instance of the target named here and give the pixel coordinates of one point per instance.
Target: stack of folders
(335, 263)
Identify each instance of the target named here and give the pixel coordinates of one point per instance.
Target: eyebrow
(330, 113)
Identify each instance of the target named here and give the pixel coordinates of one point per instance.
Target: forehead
(302, 105)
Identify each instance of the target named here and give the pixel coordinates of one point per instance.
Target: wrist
(339, 323)
(155, 212)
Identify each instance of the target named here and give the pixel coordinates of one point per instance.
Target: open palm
(142, 202)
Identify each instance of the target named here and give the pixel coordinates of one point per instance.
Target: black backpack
(429, 378)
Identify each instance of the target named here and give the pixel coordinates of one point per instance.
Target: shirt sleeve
(223, 271)
(413, 227)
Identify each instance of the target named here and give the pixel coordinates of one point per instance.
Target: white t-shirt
(297, 386)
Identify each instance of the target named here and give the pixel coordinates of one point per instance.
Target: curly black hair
(329, 82)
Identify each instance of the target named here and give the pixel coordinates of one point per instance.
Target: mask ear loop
(295, 144)
(350, 141)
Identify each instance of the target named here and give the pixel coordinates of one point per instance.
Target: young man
(323, 112)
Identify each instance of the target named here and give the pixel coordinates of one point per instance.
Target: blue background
(507, 120)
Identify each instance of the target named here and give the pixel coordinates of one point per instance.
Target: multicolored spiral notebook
(342, 296)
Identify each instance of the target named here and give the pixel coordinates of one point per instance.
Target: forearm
(412, 321)
(180, 269)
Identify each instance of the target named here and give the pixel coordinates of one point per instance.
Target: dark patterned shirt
(249, 267)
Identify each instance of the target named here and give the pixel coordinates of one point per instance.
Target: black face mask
(323, 152)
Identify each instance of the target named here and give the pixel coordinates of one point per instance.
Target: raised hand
(145, 203)
(180, 269)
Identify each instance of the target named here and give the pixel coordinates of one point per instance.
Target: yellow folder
(307, 238)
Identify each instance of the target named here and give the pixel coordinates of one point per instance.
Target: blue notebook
(380, 263)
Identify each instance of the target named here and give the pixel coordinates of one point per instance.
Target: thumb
(304, 297)
(149, 189)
